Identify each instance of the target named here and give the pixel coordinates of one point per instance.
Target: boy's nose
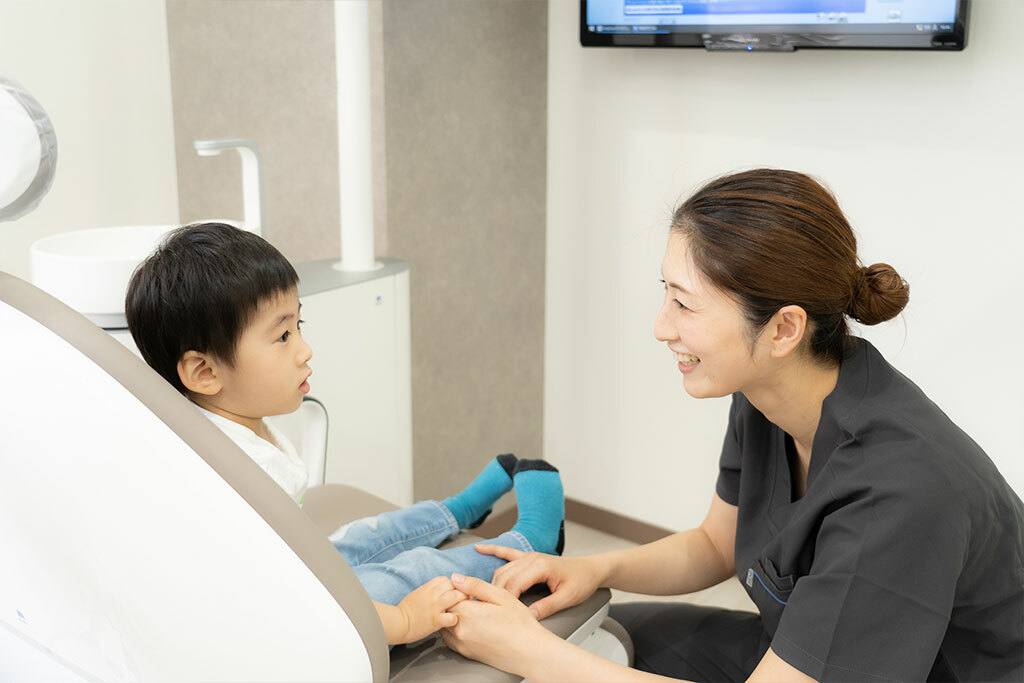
(306, 352)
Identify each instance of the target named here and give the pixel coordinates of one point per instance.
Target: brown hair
(773, 238)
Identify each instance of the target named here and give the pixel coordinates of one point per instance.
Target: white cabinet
(358, 327)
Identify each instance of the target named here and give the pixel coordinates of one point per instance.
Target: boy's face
(270, 370)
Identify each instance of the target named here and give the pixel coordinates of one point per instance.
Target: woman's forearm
(557, 661)
(681, 563)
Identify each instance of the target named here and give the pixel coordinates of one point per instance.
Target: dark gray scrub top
(904, 559)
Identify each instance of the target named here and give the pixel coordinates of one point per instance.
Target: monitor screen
(775, 24)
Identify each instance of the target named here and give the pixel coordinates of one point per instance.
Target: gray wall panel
(265, 70)
(466, 110)
(460, 116)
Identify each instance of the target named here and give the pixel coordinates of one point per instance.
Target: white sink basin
(89, 269)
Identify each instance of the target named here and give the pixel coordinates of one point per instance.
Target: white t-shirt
(278, 459)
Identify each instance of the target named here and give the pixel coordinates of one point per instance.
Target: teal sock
(471, 506)
(541, 505)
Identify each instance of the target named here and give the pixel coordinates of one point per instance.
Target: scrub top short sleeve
(728, 485)
(877, 600)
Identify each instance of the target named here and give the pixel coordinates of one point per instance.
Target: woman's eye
(678, 303)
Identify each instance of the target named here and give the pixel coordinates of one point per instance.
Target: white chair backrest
(140, 543)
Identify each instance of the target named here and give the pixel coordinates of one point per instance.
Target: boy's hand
(424, 610)
(570, 579)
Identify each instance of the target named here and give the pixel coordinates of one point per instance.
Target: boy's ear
(198, 373)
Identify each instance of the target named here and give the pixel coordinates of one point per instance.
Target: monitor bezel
(781, 38)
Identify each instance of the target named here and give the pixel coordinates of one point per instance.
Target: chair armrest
(431, 660)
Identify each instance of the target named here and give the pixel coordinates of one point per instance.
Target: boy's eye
(284, 337)
(299, 324)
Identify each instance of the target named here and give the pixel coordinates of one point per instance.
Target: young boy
(215, 311)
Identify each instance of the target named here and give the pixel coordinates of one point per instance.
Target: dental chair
(139, 544)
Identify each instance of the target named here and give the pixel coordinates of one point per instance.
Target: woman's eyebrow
(682, 289)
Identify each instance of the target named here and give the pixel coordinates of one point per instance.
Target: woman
(877, 540)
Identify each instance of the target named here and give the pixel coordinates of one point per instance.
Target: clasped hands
(486, 621)
(491, 624)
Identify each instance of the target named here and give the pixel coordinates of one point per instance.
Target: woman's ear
(198, 372)
(787, 329)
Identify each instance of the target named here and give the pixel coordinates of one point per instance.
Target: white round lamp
(28, 151)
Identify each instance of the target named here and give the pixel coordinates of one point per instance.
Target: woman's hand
(495, 628)
(570, 579)
(424, 611)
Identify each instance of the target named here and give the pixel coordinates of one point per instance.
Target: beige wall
(262, 70)
(100, 70)
(923, 151)
(466, 127)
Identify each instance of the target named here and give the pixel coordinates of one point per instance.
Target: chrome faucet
(252, 175)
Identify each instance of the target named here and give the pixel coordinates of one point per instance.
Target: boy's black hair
(198, 291)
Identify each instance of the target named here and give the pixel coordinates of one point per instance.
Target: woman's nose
(664, 330)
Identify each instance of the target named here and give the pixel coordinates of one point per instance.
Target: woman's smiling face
(704, 329)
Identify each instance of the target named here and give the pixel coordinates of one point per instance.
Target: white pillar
(355, 163)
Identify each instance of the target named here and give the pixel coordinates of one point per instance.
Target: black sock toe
(508, 463)
(542, 465)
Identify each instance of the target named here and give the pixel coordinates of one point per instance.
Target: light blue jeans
(396, 552)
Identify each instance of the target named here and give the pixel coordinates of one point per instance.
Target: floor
(582, 540)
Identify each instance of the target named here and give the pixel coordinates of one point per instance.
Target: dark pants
(703, 644)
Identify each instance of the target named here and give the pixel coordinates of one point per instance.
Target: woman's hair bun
(879, 295)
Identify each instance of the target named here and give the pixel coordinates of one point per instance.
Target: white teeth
(687, 358)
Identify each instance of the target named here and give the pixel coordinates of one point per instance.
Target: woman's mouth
(687, 362)
(686, 358)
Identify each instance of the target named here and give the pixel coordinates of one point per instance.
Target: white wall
(925, 153)
(101, 70)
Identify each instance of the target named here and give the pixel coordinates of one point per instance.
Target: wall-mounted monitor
(781, 25)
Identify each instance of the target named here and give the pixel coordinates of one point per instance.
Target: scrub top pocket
(769, 590)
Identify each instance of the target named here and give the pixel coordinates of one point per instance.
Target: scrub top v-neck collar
(849, 389)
